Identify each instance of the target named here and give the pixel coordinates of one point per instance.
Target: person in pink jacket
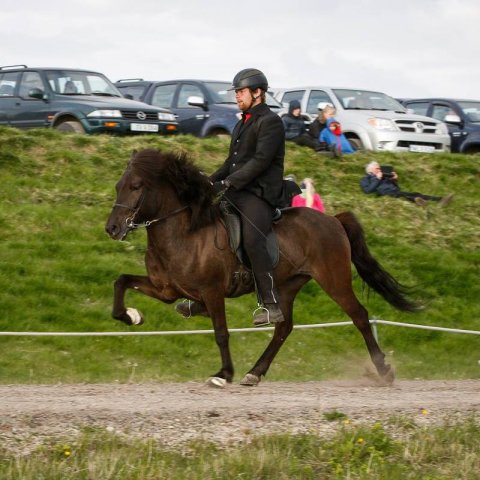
(309, 197)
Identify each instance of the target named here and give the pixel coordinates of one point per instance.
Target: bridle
(131, 225)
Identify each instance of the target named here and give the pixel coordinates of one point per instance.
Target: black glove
(220, 187)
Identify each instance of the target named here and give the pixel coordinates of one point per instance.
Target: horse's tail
(370, 270)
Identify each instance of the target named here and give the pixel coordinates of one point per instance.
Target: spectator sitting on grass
(295, 128)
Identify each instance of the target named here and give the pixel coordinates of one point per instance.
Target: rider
(251, 180)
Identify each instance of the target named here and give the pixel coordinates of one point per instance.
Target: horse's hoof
(389, 377)
(216, 382)
(136, 318)
(250, 380)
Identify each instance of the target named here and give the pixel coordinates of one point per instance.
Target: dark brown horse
(188, 255)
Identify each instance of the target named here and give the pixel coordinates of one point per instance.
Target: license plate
(143, 127)
(422, 148)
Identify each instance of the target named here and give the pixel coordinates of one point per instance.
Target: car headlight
(168, 117)
(382, 124)
(105, 113)
(441, 129)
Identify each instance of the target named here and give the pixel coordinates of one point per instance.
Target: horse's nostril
(111, 229)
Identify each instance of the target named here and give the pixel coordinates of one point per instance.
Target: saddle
(233, 225)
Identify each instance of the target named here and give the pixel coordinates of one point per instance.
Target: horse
(188, 256)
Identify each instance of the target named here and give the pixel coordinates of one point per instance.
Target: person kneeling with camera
(383, 180)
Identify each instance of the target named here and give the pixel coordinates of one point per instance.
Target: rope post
(373, 323)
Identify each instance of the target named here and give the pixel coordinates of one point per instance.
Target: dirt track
(175, 413)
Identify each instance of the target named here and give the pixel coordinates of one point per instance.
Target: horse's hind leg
(141, 283)
(340, 290)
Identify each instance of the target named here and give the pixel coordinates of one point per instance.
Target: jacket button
(233, 165)
(234, 153)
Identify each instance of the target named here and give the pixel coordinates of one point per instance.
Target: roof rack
(6, 67)
(130, 80)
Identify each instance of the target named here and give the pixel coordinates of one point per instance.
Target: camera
(387, 171)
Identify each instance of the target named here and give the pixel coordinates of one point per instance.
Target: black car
(202, 107)
(71, 100)
(462, 118)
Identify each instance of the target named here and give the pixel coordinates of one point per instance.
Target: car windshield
(221, 94)
(73, 82)
(366, 100)
(471, 110)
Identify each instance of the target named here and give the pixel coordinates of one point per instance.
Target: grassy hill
(57, 267)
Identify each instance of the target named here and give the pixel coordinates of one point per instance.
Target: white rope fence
(374, 322)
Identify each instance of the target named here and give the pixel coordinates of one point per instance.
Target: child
(332, 135)
(308, 197)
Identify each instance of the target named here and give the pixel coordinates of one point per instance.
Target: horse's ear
(132, 156)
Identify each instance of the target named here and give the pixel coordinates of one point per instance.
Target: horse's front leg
(141, 283)
(216, 310)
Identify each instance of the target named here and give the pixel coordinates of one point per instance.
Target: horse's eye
(135, 186)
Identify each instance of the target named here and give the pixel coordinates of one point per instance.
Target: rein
(130, 220)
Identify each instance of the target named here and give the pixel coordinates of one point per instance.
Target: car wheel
(356, 143)
(218, 133)
(70, 127)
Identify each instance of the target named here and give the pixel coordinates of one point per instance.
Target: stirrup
(262, 319)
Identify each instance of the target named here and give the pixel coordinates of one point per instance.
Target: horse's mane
(192, 186)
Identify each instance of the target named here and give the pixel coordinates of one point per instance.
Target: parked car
(462, 118)
(202, 107)
(372, 120)
(79, 101)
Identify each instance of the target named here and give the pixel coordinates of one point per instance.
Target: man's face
(244, 98)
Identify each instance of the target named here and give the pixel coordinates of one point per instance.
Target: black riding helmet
(250, 78)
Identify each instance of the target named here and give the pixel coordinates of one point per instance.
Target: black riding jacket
(255, 160)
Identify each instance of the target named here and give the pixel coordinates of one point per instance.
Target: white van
(372, 120)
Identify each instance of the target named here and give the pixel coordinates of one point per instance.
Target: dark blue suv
(202, 107)
(462, 118)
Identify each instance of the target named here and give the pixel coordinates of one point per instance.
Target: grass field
(57, 267)
(396, 450)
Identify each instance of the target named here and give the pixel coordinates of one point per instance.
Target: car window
(188, 90)
(135, 91)
(28, 81)
(80, 83)
(367, 100)
(471, 110)
(316, 97)
(163, 95)
(220, 92)
(294, 95)
(439, 112)
(8, 82)
(420, 108)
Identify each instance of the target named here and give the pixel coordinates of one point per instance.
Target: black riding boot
(269, 311)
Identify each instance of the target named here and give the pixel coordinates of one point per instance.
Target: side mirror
(195, 101)
(452, 119)
(37, 93)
